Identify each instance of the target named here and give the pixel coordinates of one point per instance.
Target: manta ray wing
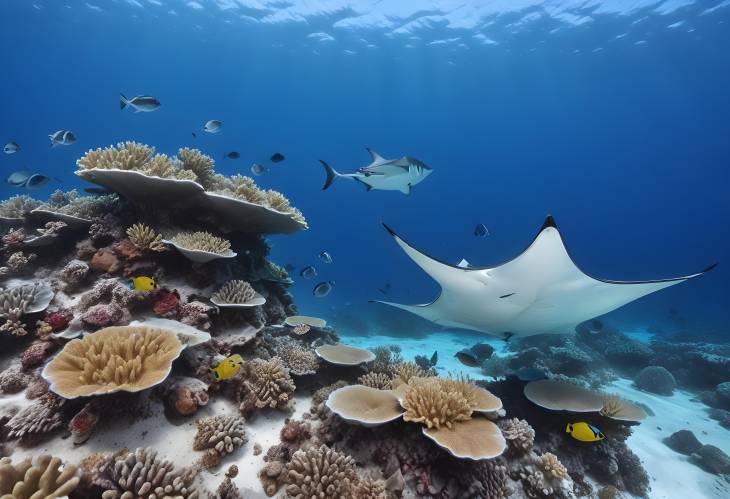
(540, 291)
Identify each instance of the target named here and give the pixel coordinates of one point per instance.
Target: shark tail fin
(331, 175)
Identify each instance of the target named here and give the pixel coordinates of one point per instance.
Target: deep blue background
(628, 147)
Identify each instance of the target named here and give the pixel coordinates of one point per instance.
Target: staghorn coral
(239, 187)
(233, 292)
(48, 478)
(113, 359)
(141, 475)
(145, 238)
(200, 165)
(551, 465)
(202, 241)
(375, 380)
(429, 402)
(519, 433)
(320, 472)
(18, 206)
(404, 371)
(219, 436)
(39, 418)
(268, 384)
(161, 165)
(299, 360)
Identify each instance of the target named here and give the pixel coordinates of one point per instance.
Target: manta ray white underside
(540, 291)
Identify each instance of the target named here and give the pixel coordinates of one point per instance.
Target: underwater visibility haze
(439, 248)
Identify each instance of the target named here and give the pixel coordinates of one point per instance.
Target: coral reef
(299, 360)
(219, 436)
(145, 238)
(518, 433)
(320, 472)
(47, 478)
(375, 380)
(202, 241)
(266, 384)
(234, 292)
(428, 402)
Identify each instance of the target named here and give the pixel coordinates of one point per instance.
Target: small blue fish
(140, 103)
(213, 126)
(62, 138)
(323, 289)
(325, 257)
(258, 169)
(308, 272)
(11, 148)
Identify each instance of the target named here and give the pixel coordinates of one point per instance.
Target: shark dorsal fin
(377, 158)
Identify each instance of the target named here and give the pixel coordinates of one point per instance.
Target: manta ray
(384, 174)
(540, 291)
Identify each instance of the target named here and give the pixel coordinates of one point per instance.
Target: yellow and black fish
(228, 367)
(584, 432)
(142, 283)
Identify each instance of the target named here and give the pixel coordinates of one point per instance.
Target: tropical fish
(384, 174)
(584, 432)
(529, 374)
(233, 155)
(140, 103)
(323, 289)
(308, 272)
(481, 230)
(142, 283)
(258, 169)
(212, 126)
(277, 157)
(228, 367)
(325, 257)
(19, 178)
(36, 181)
(62, 138)
(467, 357)
(11, 148)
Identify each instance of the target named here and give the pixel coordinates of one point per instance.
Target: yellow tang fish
(228, 367)
(143, 283)
(584, 432)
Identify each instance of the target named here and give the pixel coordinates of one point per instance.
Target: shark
(384, 174)
(540, 291)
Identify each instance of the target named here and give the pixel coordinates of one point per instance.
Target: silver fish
(258, 169)
(213, 126)
(19, 178)
(323, 289)
(140, 103)
(308, 272)
(36, 181)
(62, 138)
(11, 148)
(325, 257)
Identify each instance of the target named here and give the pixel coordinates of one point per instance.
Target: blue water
(627, 146)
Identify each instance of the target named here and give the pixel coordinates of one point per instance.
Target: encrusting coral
(268, 384)
(320, 472)
(202, 241)
(236, 291)
(141, 475)
(219, 436)
(112, 359)
(48, 478)
(145, 238)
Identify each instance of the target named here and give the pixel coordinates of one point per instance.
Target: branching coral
(28, 298)
(199, 164)
(141, 475)
(369, 488)
(39, 418)
(48, 478)
(429, 402)
(112, 359)
(299, 360)
(219, 436)
(485, 479)
(125, 156)
(550, 464)
(320, 472)
(85, 207)
(18, 206)
(202, 241)
(267, 385)
(375, 380)
(519, 433)
(145, 238)
(386, 357)
(404, 371)
(236, 291)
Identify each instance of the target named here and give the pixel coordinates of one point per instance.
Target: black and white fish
(277, 157)
(26, 179)
(18, 179)
(233, 155)
(325, 257)
(62, 138)
(481, 230)
(213, 126)
(11, 148)
(384, 174)
(308, 272)
(140, 103)
(323, 289)
(258, 169)
(36, 181)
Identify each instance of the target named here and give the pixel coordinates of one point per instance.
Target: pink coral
(103, 315)
(165, 302)
(36, 354)
(59, 319)
(196, 314)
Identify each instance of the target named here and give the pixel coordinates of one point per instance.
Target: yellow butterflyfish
(228, 367)
(584, 432)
